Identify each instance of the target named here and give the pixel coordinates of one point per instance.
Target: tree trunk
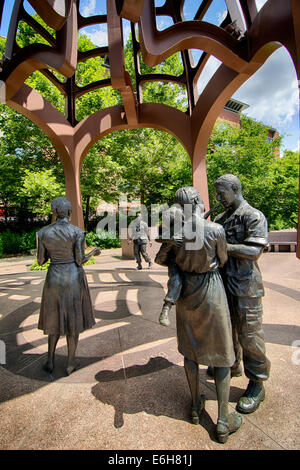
(87, 210)
(5, 211)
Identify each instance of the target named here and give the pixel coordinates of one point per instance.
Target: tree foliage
(270, 182)
(147, 159)
(40, 188)
(146, 164)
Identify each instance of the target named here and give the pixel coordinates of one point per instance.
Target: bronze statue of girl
(66, 307)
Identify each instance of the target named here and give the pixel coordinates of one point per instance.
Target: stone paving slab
(130, 391)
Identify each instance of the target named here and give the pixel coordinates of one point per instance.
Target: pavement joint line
(247, 417)
(31, 363)
(122, 357)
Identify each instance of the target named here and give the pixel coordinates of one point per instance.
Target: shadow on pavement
(157, 388)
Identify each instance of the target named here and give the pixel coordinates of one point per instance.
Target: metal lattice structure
(243, 42)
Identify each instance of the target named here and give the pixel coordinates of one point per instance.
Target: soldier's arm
(256, 237)
(131, 230)
(251, 252)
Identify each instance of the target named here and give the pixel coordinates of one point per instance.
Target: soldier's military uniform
(243, 282)
(139, 233)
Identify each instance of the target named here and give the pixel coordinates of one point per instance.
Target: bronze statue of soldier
(66, 307)
(139, 233)
(247, 235)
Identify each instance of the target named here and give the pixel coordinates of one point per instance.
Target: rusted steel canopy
(54, 12)
(242, 51)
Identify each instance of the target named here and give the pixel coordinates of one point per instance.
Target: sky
(271, 93)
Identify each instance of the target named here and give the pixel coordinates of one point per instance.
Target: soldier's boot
(251, 399)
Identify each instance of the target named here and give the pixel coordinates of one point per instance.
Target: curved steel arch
(156, 115)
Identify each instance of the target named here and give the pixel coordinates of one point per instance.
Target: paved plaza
(131, 391)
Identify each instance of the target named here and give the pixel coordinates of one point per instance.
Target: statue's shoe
(48, 367)
(253, 396)
(197, 410)
(224, 428)
(72, 367)
(164, 316)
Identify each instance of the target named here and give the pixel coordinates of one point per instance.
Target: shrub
(90, 261)
(103, 239)
(11, 242)
(15, 243)
(36, 267)
(92, 239)
(28, 241)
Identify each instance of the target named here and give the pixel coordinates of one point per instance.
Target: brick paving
(130, 391)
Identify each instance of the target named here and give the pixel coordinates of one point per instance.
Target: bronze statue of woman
(66, 307)
(203, 321)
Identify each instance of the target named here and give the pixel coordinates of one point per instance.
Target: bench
(282, 238)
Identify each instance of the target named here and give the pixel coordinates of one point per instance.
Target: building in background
(232, 113)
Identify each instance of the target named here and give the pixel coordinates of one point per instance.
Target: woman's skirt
(203, 320)
(66, 307)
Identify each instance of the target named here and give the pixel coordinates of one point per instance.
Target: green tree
(40, 188)
(270, 182)
(26, 36)
(284, 191)
(24, 146)
(154, 164)
(99, 179)
(89, 71)
(150, 162)
(165, 92)
(144, 163)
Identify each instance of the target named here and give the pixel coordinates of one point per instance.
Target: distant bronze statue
(66, 307)
(139, 233)
(203, 321)
(247, 235)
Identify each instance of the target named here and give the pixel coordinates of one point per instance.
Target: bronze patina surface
(247, 235)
